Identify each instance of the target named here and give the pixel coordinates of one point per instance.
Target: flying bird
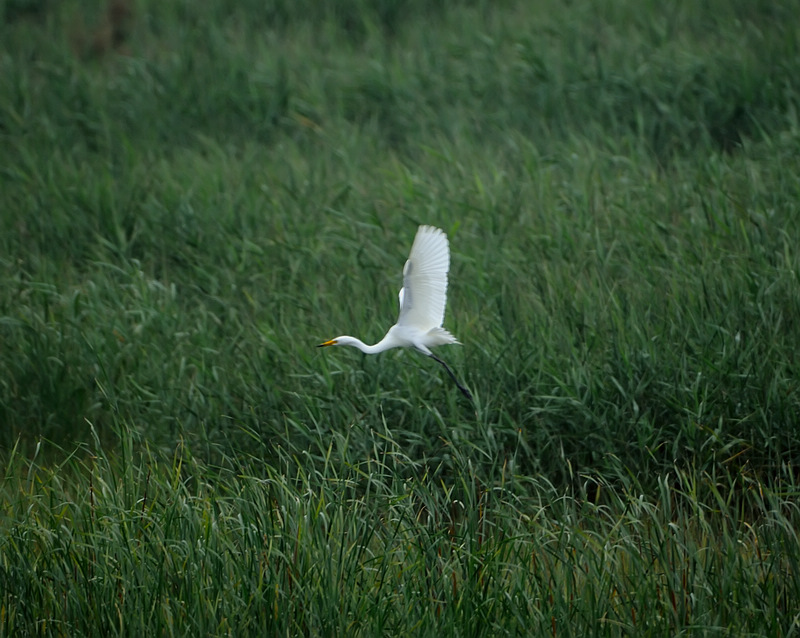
(422, 303)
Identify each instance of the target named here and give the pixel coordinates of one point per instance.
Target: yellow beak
(332, 342)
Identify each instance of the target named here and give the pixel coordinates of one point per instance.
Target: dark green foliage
(192, 195)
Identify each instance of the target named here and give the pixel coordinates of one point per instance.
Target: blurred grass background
(195, 194)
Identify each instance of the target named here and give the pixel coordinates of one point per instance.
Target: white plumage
(423, 298)
(425, 280)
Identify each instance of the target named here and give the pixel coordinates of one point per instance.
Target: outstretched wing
(424, 293)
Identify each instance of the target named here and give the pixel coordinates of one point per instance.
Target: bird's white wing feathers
(424, 293)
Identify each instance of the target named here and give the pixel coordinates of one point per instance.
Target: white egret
(422, 302)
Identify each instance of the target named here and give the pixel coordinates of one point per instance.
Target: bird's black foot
(464, 391)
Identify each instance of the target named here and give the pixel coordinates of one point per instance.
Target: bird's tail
(441, 337)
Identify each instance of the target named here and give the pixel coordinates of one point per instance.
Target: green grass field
(193, 195)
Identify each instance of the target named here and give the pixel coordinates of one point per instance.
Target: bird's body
(422, 302)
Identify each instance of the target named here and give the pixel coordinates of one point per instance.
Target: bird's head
(344, 340)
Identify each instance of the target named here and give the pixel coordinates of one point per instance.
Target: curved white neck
(347, 340)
